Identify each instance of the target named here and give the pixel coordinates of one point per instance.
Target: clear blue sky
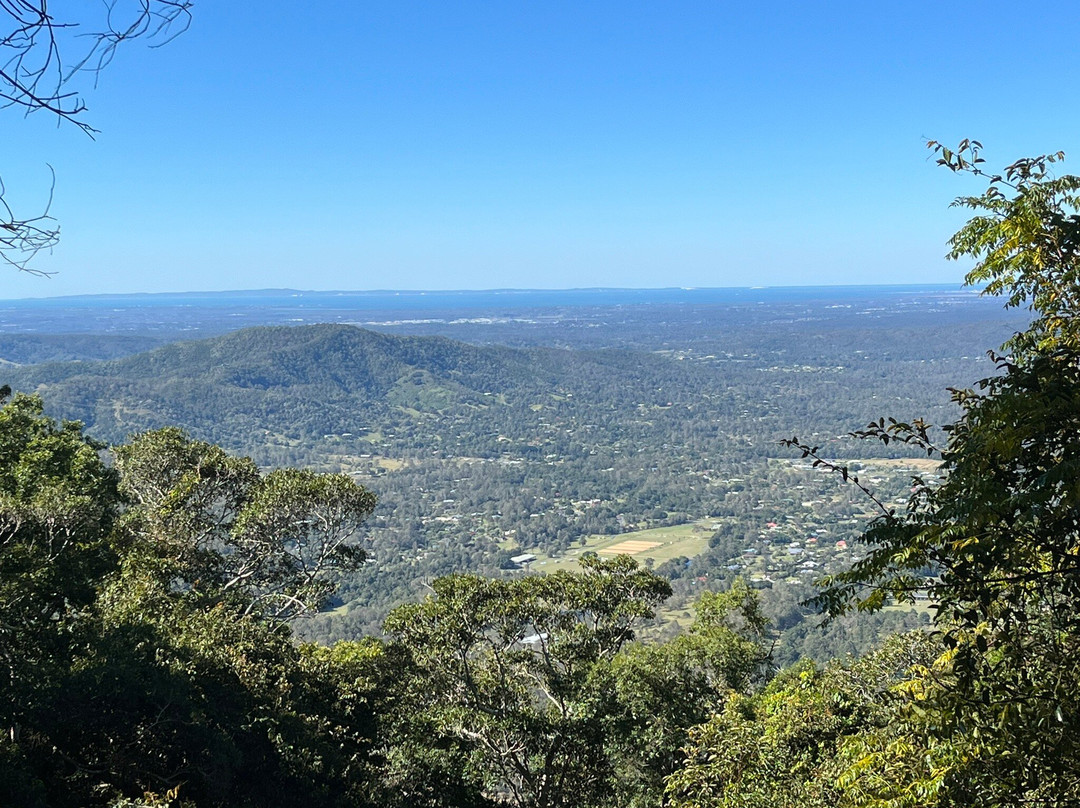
(398, 144)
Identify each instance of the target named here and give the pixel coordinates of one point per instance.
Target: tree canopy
(995, 719)
(141, 636)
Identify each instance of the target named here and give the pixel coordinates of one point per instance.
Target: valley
(550, 430)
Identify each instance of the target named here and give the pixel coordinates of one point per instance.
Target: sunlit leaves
(266, 543)
(516, 671)
(996, 544)
(1025, 240)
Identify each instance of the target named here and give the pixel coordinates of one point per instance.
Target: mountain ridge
(301, 381)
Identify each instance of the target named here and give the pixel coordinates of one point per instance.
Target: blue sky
(363, 145)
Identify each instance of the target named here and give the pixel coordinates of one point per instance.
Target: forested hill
(478, 452)
(262, 386)
(267, 387)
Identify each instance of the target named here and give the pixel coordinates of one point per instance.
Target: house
(523, 560)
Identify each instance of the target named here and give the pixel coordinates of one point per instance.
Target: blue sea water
(382, 300)
(209, 312)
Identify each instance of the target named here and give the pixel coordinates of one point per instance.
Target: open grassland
(658, 543)
(926, 465)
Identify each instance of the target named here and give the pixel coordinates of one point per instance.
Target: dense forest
(643, 417)
(150, 593)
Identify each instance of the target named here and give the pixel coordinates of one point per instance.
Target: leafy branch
(890, 430)
(1026, 243)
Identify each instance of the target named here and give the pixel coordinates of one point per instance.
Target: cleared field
(921, 606)
(388, 463)
(358, 464)
(630, 547)
(923, 464)
(659, 543)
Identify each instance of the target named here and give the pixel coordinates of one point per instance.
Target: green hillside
(478, 452)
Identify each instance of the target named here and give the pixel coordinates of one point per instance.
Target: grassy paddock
(926, 465)
(671, 542)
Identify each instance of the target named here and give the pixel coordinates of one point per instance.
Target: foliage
(413, 766)
(141, 662)
(1001, 536)
(732, 637)
(662, 690)
(57, 504)
(991, 716)
(537, 683)
(266, 543)
(995, 544)
(510, 670)
(1026, 241)
(779, 747)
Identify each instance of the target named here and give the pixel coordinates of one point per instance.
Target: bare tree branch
(41, 58)
(22, 239)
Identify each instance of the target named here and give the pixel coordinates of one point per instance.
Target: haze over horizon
(646, 293)
(478, 145)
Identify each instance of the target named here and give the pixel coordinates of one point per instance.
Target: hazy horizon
(508, 290)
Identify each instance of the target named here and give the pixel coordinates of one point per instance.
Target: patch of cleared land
(388, 463)
(658, 543)
(921, 606)
(632, 547)
(923, 464)
(359, 464)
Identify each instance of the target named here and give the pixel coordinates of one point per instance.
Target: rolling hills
(478, 452)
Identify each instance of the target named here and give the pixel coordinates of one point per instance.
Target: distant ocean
(384, 300)
(193, 314)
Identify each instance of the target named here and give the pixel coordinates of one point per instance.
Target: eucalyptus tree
(223, 531)
(144, 642)
(513, 672)
(58, 502)
(541, 688)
